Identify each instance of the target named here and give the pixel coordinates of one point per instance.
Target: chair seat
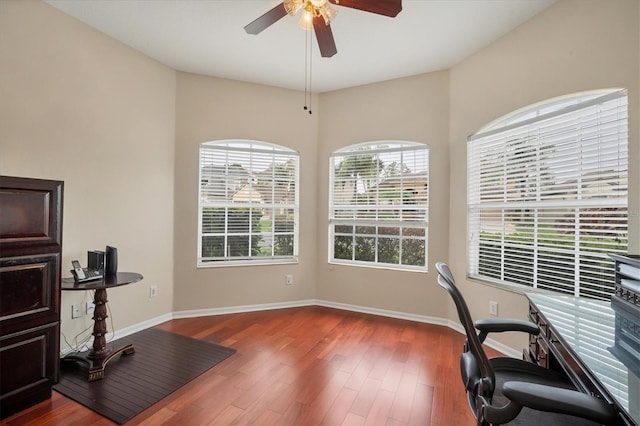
(512, 369)
(520, 370)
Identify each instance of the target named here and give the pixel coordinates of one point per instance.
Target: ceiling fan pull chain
(310, 69)
(307, 70)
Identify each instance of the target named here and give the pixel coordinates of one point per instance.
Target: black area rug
(162, 363)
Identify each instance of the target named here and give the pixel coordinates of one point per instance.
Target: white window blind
(379, 197)
(547, 197)
(248, 203)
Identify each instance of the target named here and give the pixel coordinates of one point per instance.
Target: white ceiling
(207, 37)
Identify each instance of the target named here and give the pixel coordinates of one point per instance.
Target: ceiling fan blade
(324, 35)
(266, 20)
(381, 7)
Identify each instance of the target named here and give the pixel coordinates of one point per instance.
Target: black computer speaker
(111, 263)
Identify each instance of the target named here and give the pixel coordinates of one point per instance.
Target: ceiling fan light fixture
(306, 20)
(327, 12)
(293, 6)
(312, 9)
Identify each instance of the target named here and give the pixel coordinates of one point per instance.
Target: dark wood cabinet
(30, 268)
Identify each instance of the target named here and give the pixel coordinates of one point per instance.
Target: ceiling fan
(319, 13)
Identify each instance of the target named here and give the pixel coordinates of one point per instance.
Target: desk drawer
(536, 318)
(542, 353)
(538, 346)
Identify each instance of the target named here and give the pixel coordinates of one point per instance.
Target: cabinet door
(29, 292)
(29, 361)
(31, 212)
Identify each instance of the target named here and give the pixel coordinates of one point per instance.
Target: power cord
(80, 343)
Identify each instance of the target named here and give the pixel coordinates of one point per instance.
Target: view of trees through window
(548, 198)
(248, 202)
(379, 205)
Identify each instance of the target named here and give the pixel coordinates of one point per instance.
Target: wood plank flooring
(162, 363)
(304, 366)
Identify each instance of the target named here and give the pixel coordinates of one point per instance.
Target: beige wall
(80, 107)
(413, 109)
(213, 109)
(69, 92)
(573, 46)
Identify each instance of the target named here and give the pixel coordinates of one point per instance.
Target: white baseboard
(239, 309)
(382, 312)
(123, 332)
(140, 326)
(310, 302)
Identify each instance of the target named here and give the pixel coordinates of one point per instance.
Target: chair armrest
(559, 400)
(499, 325)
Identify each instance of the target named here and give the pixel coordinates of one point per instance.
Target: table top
(121, 278)
(588, 327)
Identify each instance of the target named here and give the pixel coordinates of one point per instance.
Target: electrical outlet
(288, 279)
(75, 311)
(90, 308)
(153, 291)
(493, 308)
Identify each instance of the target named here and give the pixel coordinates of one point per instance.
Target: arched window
(379, 193)
(547, 195)
(248, 203)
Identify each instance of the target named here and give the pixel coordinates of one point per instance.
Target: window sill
(381, 266)
(223, 264)
(512, 288)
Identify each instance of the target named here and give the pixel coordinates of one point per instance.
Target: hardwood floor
(304, 366)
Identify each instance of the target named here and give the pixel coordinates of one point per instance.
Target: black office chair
(509, 390)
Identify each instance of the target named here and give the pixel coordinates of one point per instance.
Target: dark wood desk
(578, 336)
(100, 353)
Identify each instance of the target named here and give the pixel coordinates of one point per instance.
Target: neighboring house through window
(547, 195)
(248, 203)
(378, 213)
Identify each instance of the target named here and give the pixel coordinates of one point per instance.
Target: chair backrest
(446, 281)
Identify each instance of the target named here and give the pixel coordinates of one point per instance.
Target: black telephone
(81, 274)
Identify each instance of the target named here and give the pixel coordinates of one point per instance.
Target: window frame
(589, 260)
(253, 149)
(404, 226)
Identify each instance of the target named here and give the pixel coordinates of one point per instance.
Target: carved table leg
(100, 353)
(99, 349)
